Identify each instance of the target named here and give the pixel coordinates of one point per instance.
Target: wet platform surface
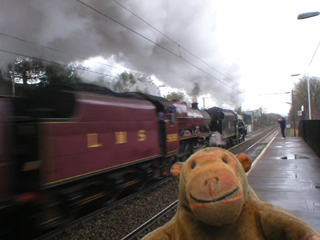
(287, 175)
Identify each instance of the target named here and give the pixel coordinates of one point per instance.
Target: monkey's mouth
(215, 200)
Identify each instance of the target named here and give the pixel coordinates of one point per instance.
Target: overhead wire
(62, 64)
(99, 73)
(73, 55)
(314, 54)
(274, 93)
(155, 43)
(274, 99)
(173, 41)
(57, 50)
(179, 46)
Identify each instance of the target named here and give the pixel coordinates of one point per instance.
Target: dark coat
(282, 122)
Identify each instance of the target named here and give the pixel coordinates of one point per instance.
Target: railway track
(164, 213)
(249, 147)
(260, 138)
(91, 213)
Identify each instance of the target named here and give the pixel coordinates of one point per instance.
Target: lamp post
(303, 16)
(294, 114)
(309, 97)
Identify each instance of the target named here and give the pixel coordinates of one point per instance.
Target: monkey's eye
(193, 165)
(225, 160)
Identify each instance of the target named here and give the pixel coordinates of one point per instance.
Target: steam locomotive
(63, 147)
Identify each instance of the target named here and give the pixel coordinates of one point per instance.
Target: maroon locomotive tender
(66, 146)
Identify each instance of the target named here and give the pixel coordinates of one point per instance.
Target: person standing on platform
(282, 123)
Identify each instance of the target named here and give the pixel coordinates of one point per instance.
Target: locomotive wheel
(111, 193)
(167, 165)
(142, 182)
(109, 198)
(187, 151)
(135, 180)
(228, 144)
(141, 185)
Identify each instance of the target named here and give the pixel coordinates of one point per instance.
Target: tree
(129, 82)
(176, 95)
(301, 96)
(125, 82)
(26, 71)
(239, 111)
(247, 118)
(5, 85)
(29, 73)
(57, 73)
(268, 119)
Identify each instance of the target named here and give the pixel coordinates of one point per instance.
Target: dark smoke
(76, 30)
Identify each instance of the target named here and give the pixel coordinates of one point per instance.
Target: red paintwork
(172, 146)
(65, 153)
(5, 150)
(188, 118)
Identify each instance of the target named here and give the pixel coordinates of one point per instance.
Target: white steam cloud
(76, 30)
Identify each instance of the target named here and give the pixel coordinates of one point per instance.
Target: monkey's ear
(245, 161)
(176, 169)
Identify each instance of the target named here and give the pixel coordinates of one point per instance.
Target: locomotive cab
(225, 122)
(191, 120)
(242, 129)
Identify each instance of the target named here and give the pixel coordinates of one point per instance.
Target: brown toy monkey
(216, 202)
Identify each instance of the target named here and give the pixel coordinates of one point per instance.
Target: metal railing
(309, 130)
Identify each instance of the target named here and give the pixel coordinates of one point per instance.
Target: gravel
(117, 223)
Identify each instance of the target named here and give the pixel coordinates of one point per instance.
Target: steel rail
(264, 137)
(99, 211)
(145, 225)
(173, 205)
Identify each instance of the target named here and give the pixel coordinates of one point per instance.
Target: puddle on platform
(294, 156)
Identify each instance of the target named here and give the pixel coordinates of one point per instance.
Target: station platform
(287, 175)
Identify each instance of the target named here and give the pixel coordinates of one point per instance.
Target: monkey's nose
(212, 180)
